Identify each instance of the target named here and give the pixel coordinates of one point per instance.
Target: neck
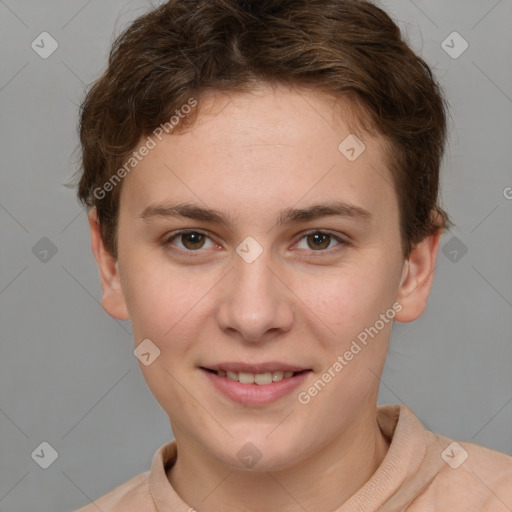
(321, 482)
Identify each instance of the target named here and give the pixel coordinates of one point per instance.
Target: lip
(254, 394)
(269, 366)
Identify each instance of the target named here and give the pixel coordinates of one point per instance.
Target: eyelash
(190, 253)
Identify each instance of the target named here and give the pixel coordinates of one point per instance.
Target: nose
(255, 302)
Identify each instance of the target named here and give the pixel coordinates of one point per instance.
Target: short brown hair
(350, 49)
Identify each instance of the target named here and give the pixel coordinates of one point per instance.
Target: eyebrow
(286, 216)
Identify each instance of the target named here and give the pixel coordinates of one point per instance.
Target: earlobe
(417, 278)
(112, 301)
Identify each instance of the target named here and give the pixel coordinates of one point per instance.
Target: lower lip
(254, 394)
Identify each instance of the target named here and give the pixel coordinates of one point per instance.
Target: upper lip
(270, 366)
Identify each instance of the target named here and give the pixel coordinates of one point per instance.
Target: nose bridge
(254, 301)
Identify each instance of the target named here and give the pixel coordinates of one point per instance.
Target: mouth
(255, 385)
(260, 379)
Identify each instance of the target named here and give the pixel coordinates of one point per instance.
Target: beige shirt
(421, 472)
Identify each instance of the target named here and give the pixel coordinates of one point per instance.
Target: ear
(417, 278)
(112, 300)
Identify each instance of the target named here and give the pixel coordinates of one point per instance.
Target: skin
(251, 155)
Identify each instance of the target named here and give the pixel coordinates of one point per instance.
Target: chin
(258, 453)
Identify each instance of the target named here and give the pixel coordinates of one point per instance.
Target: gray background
(67, 372)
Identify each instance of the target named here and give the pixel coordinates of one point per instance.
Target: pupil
(193, 239)
(319, 240)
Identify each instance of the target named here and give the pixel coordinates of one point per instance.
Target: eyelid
(176, 234)
(342, 241)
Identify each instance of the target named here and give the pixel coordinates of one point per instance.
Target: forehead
(256, 151)
(273, 114)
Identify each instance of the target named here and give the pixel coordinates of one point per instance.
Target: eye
(194, 240)
(320, 240)
(191, 240)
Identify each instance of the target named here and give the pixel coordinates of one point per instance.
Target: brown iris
(193, 240)
(320, 240)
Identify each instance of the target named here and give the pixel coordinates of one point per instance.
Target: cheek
(166, 304)
(344, 302)
(147, 303)
(153, 296)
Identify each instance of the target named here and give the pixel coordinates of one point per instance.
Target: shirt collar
(390, 486)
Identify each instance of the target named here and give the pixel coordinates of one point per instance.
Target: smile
(255, 389)
(261, 379)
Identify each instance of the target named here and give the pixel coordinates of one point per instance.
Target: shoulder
(470, 477)
(440, 473)
(131, 495)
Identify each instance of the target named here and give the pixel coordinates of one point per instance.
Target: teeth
(246, 378)
(261, 379)
(277, 376)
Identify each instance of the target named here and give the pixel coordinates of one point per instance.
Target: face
(286, 258)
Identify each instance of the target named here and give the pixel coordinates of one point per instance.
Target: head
(242, 117)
